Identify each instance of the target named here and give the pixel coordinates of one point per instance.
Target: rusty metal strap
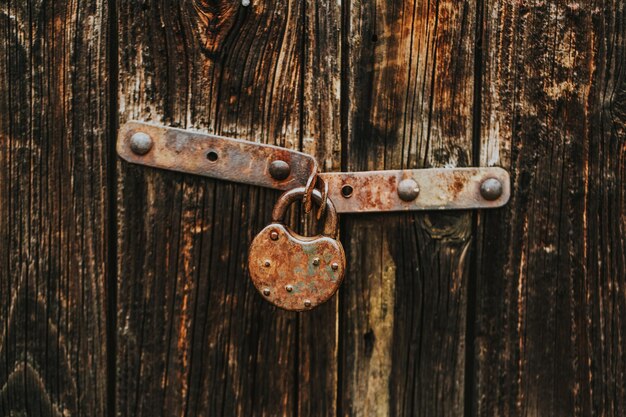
(283, 169)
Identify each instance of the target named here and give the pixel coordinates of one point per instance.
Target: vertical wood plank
(551, 266)
(53, 213)
(318, 333)
(194, 336)
(408, 96)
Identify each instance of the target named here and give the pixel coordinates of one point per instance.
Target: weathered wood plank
(552, 265)
(54, 147)
(408, 96)
(318, 334)
(194, 336)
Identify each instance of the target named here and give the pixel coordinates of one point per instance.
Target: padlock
(297, 272)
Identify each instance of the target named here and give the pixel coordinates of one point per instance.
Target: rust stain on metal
(352, 192)
(439, 189)
(215, 156)
(456, 185)
(293, 276)
(296, 272)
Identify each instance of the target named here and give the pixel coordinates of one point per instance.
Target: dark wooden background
(123, 289)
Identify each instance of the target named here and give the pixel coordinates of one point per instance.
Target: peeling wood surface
(111, 269)
(53, 209)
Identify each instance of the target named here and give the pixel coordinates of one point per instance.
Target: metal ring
(285, 200)
(310, 186)
(322, 209)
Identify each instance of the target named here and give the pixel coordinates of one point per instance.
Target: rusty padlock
(296, 272)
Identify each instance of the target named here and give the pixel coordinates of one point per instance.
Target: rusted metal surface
(296, 272)
(331, 222)
(284, 169)
(439, 189)
(214, 156)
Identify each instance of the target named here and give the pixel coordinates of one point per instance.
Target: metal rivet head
(280, 170)
(491, 189)
(267, 264)
(335, 266)
(245, 3)
(289, 288)
(140, 143)
(266, 292)
(274, 235)
(316, 261)
(408, 190)
(307, 303)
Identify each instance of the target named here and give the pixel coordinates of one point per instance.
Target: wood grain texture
(408, 91)
(537, 87)
(54, 151)
(195, 338)
(551, 266)
(318, 332)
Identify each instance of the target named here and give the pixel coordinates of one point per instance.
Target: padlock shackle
(289, 197)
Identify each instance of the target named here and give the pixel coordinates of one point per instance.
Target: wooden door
(124, 291)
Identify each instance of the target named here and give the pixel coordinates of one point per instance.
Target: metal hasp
(284, 169)
(213, 156)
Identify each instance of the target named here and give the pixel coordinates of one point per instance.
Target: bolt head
(307, 303)
(141, 143)
(316, 261)
(274, 235)
(280, 170)
(266, 292)
(408, 190)
(491, 189)
(335, 266)
(289, 288)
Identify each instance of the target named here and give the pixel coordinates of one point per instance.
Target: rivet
(408, 190)
(316, 261)
(280, 170)
(274, 235)
(267, 264)
(491, 189)
(335, 266)
(266, 292)
(307, 303)
(289, 288)
(140, 143)
(245, 3)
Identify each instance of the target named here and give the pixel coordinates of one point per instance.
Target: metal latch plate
(439, 189)
(351, 192)
(212, 156)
